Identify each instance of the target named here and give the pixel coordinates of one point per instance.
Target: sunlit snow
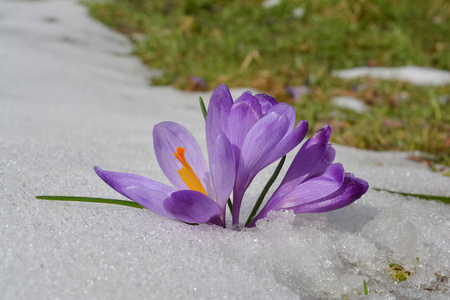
(72, 97)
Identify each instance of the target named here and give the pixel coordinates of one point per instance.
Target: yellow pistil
(187, 174)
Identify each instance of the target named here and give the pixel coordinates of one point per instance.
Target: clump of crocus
(313, 183)
(243, 137)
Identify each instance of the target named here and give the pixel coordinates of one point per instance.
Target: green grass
(242, 44)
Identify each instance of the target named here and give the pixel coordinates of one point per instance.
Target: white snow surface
(352, 103)
(412, 74)
(72, 97)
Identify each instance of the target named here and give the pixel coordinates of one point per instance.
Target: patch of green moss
(398, 273)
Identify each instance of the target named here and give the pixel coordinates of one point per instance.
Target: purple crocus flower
(198, 83)
(259, 129)
(313, 183)
(199, 194)
(296, 92)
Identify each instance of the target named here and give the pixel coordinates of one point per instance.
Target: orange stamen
(187, 174)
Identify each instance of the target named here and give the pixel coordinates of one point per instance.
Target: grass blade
(421, 196)
(202, 106)
(366, 290)
(89, 199)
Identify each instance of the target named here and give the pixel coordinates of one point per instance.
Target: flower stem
(202, 106)
(265, 190)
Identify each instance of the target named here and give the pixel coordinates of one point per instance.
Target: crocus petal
(351, 190)
(310, 190)
(289, 142)
(243, 115)
(309, 156)
(326, 160)
(167, 136)
(222, 166)
(218, 110)
(266, 102)
(287, 110)
(193, 207)
(260, 140)
(146, 192)
(245, 96)
(151, 199)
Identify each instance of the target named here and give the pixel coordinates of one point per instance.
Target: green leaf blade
(203, 107)
(90, 199)
(421, 196)
(366, 291)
